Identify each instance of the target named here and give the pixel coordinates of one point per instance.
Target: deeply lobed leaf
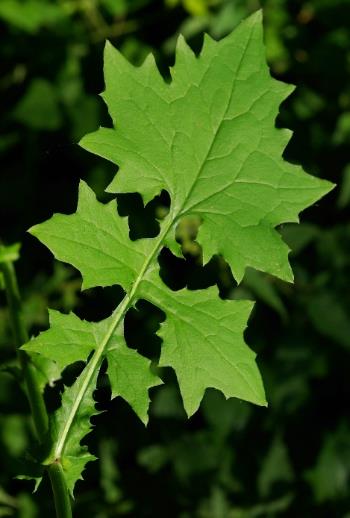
(209, 139)
(71, 339)
(203, 342)
(95, 240)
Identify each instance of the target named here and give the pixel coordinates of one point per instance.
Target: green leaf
(130, 377)
(329, 477)
(68, 428)
(208, 138)
(203, 342)
(30, 15)
(276, 467)
(71, 339)
(264, 289)
(47, 371)
(39, 108)
(329, 317)
(68, 340)
(95, 240)
(299, 236)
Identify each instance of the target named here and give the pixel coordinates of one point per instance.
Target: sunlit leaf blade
(94, 240)
(209, 139)
(203, 342)
(130, 377)
(69, 339)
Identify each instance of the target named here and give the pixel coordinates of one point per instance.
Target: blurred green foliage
(231, 460)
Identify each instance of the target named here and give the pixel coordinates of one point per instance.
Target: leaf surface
(70, 339)
(69, 428)
(203, 343)
(209, 139)
(95, 240)
(130, 377)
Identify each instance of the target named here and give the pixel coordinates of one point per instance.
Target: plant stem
(34, 394)
(35, 398)
(60, 491)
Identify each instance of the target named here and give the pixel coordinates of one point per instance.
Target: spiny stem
(60, 491)
(35, 397)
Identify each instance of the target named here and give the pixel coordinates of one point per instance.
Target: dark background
(231, 460)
